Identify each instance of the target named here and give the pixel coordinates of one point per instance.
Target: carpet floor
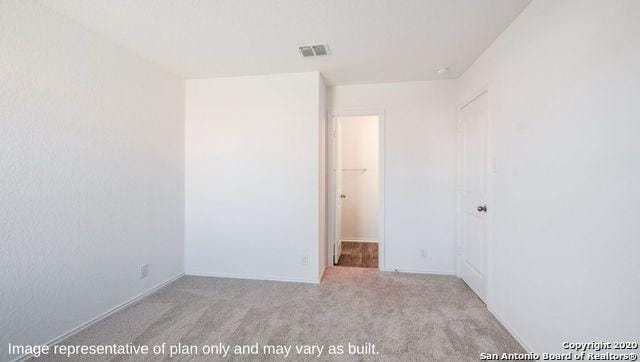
(407, 317)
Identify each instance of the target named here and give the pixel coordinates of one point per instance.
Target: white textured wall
(420, 169)
(360, 150)
(564, 88)
(91, 165)
(252, 176)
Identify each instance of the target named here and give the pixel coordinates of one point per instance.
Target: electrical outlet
(304, 260)
(424, 253)
(144, 271)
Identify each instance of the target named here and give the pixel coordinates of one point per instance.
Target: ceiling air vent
(315, 50)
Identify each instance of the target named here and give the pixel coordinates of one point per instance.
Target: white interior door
(473, 193)
(337, 251)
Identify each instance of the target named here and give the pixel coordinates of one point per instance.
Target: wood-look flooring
(358, 254)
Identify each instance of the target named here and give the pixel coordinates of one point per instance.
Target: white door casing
(337, 237)
(473, 191)
(334, 193)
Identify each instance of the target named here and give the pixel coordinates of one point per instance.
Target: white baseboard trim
(359, 240)
(413, 271)
(252, 277)
(506, 326)
(104, 315)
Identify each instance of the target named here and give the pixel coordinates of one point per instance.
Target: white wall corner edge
(104, 315)
(324, 270)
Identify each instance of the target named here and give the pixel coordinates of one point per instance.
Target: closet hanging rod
(354, 169)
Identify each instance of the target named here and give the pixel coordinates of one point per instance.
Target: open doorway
(356, 184)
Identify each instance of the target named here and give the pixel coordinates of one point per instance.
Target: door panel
(473, 193)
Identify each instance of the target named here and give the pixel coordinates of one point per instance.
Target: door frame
(489, 170)
(331, 194)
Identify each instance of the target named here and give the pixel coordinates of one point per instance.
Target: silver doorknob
(482, 208)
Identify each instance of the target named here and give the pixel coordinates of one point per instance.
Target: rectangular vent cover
(316, 50)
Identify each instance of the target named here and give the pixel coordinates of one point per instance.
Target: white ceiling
(370, 40)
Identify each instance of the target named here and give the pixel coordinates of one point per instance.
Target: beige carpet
(408, 317)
